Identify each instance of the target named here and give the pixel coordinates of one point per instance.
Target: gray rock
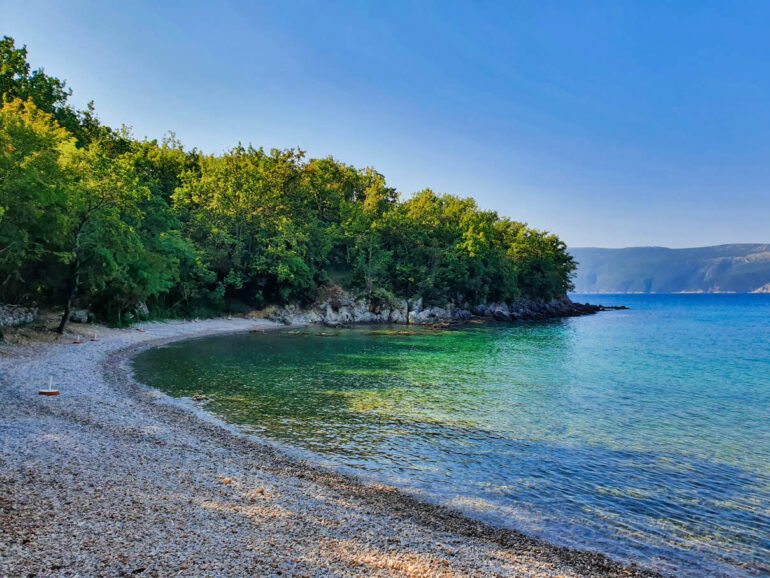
(331, 318)
(427, 316)
(461, 315)
(346, 315)
(306, 318)
(79, 316)
(343, 311)
(501, 315)
(12, 315)
(499, 311)
(417, 317)
(365, 317)
(397, 316)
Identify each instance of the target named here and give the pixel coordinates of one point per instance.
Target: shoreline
(250, 506)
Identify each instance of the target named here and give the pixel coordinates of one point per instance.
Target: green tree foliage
(49, 94)
(92, 217)
(100, 241)
(35, 184)
(247, 211)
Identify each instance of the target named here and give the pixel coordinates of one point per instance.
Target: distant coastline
(737, 268)
(761, 291)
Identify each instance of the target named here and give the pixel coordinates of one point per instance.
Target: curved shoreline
(387, 524)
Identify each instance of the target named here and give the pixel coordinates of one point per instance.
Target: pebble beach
(111, 478)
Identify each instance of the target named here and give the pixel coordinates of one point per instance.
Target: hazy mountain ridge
(736, 268)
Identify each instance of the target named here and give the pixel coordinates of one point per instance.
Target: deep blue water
(643, 434)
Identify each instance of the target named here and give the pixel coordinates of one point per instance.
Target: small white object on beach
(141, 329)
(78, 340)
(95, 337)
(50, 391)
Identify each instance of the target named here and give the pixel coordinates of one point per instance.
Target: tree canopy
(92, 217)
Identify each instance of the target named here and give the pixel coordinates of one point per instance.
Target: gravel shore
(111, 478)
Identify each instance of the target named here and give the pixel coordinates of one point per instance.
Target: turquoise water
(643, 434)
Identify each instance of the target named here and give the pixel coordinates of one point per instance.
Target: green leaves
(35, 183)
(91, 214)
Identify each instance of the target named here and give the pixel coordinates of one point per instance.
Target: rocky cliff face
(346, 311)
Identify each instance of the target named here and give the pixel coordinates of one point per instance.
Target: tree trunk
(71, 293)
(66, 317)
(408, 307)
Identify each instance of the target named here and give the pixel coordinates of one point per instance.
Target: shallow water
(643, 434)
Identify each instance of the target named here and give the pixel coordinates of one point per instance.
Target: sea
(643, 434)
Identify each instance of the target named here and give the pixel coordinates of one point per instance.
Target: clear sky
(610, 123)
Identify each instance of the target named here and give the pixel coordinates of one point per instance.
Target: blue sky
(610, 123)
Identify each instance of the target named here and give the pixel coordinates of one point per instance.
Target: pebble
(113, 478)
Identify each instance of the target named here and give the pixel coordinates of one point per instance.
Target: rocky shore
(342, 309)
(112, 478)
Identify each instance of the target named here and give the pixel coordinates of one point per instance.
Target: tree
(89, 214)
(35, 182)
(48, 93)
(544, 268)
(248, 213)
(97, 239)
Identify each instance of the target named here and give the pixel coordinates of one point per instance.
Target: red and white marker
(50, 391)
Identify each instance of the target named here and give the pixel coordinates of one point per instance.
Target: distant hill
(739, 268)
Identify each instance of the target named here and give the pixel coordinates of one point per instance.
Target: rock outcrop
(344, 310)
(79, 316)
(13, 315)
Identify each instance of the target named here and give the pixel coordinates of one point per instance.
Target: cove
(642, 434)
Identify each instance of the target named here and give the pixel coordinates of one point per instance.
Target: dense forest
(92, 217)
